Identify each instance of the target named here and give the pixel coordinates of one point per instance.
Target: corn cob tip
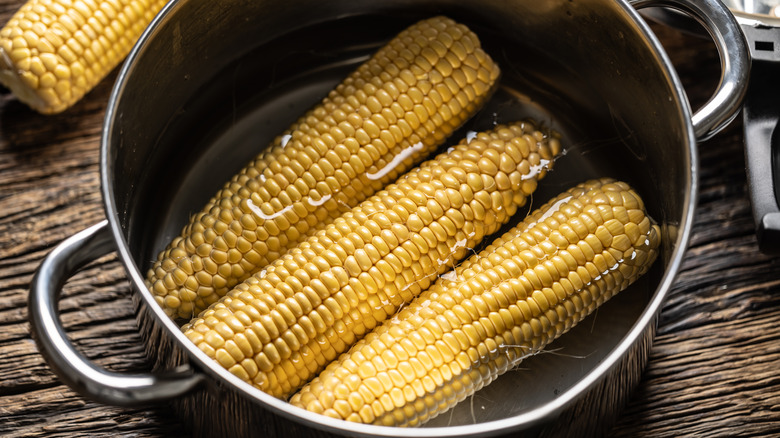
(9, 76)
(52, 52)
(524, 290)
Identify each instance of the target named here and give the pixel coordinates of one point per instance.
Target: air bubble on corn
(280, 327)
(523, 291)
(389, 114)
(52, 52)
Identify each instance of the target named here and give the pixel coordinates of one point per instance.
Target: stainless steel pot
(210, 82)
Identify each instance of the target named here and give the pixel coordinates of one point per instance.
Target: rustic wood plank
(53, 413)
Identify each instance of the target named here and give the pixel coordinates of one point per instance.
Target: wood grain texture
(713, 369)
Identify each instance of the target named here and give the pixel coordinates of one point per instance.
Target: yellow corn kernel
(338, 284)
(487, 315)
(52, 52)
(342, 151)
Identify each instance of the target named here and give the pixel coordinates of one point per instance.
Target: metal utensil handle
(722, 26)
(72, 367)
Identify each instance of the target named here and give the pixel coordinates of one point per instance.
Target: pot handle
(735, 62)
(71, 366)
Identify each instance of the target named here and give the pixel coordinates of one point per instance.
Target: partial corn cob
(52, 52)
(522, 292)
(280, 327)
(385, 117)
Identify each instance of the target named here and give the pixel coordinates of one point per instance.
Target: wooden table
(714, 368)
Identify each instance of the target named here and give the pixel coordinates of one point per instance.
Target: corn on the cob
(52, 52)
(283, 325)
(525, 290)
(390, 113)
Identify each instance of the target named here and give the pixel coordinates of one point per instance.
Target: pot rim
(524, 420)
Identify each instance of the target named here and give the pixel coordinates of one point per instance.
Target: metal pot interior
(213, 82)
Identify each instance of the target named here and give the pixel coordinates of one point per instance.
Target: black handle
(761, 114)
